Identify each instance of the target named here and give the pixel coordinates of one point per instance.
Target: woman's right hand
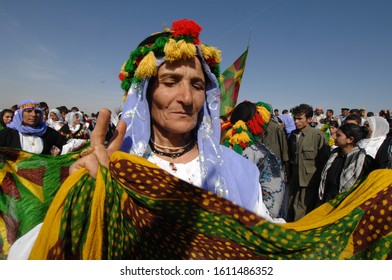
(100, 154)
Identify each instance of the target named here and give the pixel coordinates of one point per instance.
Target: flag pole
(250, 34)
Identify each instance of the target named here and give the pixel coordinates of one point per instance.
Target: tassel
(264, 113)
(211, 53)
(147, 67)
(256, 125)
(240, 124)
(179, 50)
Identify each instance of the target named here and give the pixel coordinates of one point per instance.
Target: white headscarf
(70, 118)
(55, 124)
(380, 128)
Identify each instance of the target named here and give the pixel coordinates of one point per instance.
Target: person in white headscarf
(75, 127)
(55, 119)
(378, 130)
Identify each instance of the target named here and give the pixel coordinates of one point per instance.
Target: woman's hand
(100, 154)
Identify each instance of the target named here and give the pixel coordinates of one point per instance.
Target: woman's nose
(185, 95)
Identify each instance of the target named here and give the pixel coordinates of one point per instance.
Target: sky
(328, 53)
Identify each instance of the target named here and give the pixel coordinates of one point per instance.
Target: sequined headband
(173, 44)
(28, 105)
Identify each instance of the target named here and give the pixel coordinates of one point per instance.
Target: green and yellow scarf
(135, 210)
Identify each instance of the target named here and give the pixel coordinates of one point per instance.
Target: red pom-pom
(186, 27)
(121, 76)
(256, 124)
(211, 62)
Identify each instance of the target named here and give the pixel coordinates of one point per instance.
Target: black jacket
(10, 138)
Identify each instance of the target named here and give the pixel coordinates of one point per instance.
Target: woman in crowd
(248, 121)
(347, 163)
(378, 129)
(29, 132)
(55, 120)
(6, 117)
(75, 128)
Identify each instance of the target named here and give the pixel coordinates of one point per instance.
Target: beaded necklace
(188, 148)
(170, 148)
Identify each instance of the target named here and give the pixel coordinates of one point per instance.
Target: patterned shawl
(351, 170)
(134, 210)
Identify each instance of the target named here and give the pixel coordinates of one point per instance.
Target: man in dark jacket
(308, 153)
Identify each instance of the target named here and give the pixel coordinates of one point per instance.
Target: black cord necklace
(173, 155)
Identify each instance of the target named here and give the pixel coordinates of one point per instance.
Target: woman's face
(177, 95)
(31, 117)
(53, 116)
(7, 117)
(341, 140)
(76, 119)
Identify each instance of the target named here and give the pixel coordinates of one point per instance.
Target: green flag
(230, 86)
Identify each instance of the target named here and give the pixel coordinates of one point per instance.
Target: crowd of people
(34, 127)
(277, 166)
(317, 150)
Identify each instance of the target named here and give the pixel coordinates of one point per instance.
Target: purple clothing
(288, 121)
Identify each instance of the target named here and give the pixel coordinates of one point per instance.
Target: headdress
(179, 43)
(249, 120)
(176, 43)
(17, 121)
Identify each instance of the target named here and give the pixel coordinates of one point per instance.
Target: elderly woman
(172, 117)
(171, 120)
(29, 132)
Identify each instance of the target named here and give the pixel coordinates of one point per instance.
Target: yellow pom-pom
(147, 67)
(228, 134)
(210, 52)
(264, 113)
(243, 137)
(179, 50)
(240, 124)
(239, 137)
